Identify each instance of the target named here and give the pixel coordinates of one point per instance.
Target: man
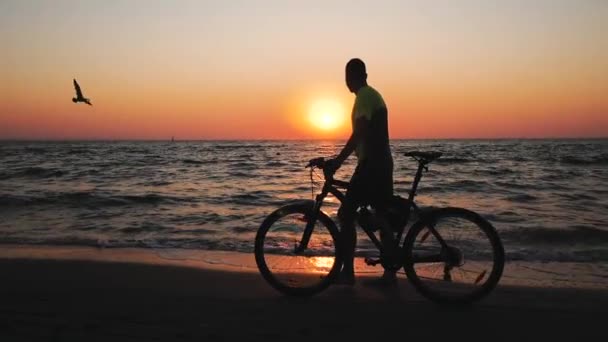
(372, 181)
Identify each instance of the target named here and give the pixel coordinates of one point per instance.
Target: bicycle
(296, 246)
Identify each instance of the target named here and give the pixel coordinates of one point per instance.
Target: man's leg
(384, 193)
(348, 239)
(387, 238)
(348, 234)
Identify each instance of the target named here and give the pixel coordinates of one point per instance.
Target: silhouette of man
(372, 181)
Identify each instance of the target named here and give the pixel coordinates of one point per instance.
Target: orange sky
(204, 70)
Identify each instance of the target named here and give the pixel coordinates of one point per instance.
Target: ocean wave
(134, 150)
(505, 217)
(254, 198)
(237, 146)
(577, 196)
(519, 158)
(582, 160)
(468, 183)
(520, 184)
(197, 231)
(276, 163)
(243, 165)
(521, 198)
(202, 218)
(240, 174)
(87, 172)
(494, 171)
(460, 185)
(150, 199)
(156, 183)
(454, 160)
(76, 151)
(35, 150)
(547, 236)
(554, 177)
(33, 172)
(146, 227)
(589, 255)
(193, 162)
(240, 229)
(89, 199)
(300, 188)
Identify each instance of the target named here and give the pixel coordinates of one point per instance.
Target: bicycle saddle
(426, 157)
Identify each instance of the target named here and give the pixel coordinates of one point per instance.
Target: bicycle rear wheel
(303, 273)
(465, 268)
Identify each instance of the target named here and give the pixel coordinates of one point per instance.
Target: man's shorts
(371, 184)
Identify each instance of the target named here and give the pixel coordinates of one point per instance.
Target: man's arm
(361, 127)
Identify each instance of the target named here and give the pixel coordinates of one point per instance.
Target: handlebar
(320, 163)
(316, 162)
(328, 174)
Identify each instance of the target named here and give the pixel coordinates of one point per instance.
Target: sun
(326, 114)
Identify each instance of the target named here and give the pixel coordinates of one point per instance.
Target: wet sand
(76, 294)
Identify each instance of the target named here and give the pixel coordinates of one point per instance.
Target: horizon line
(261, 139)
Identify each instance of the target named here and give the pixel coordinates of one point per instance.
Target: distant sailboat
(172, 139)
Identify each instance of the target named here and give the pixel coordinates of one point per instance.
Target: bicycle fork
(311, 220)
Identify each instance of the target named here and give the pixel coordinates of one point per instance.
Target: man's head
(356, 76)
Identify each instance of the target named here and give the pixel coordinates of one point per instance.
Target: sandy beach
(84, 294)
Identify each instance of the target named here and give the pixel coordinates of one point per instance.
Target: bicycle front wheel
(293, 272)
(453, 256)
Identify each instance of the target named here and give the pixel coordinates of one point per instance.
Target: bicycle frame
(331, 186)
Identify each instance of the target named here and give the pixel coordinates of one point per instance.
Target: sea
(548, 199)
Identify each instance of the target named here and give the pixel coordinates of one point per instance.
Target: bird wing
(78, 91)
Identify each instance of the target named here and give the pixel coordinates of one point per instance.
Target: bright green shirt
(370, 106)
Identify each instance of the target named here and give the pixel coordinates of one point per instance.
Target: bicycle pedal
(372, 261)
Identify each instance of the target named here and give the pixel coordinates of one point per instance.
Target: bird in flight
(79, 97)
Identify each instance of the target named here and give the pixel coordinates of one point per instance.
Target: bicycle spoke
(425, 235)
(479, 277)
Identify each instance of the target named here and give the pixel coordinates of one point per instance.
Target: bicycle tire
(304, 208)
(484, 225)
